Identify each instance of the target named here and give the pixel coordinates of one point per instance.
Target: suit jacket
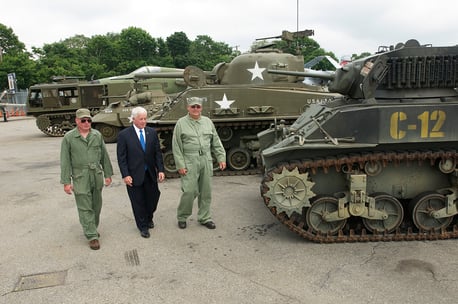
(132, 159)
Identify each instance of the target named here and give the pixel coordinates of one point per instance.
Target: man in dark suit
(141, 165)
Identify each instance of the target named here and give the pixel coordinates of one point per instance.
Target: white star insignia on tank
(224, 104)
(256, 72)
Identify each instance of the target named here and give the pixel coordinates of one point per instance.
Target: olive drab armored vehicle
(379, 163)
(241, 98)
(54, 104)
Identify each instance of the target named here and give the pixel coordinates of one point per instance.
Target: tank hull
(381, 168)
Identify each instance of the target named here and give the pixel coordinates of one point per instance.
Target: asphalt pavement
(248, 258)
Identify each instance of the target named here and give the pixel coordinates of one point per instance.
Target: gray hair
(136, 111)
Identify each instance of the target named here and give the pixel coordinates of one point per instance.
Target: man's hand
(68, 188)
(182, 171)
(128, 180)
(222, 166)
(161, 177)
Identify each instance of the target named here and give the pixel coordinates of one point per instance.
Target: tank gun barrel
(159, 75)
(193, 76)
(290, 36)
(326, 75)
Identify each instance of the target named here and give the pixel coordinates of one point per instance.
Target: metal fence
(19, 97)
(13, 104)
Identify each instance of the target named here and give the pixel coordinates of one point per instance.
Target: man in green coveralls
(85, 161)
(194, 139)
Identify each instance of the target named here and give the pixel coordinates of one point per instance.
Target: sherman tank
(378, 163)
(54, 104)
(241, 98)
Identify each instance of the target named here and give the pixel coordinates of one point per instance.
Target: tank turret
(377, 163)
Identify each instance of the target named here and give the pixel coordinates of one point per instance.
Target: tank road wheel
(373, 168)
(315, 216)
(225, 133)
(109, 133)
(290, 191)
(447, 165)
(238, 159)
(169, 162)
(422, 208)
(392, 207)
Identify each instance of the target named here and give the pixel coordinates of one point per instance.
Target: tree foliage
(9, 42)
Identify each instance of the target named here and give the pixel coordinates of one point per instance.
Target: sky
(343, 27)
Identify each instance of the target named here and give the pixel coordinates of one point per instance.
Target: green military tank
(241, 98)
(378, 163)
(54, 104)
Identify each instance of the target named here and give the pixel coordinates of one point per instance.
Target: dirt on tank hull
(378, 164)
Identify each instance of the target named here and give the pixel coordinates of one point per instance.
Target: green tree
(206, 53)
(14, 59)
(103, 56)
(136, 48)
(179, 45)
(9, 42)
(165, 59)
(21, 64)
(57, 59)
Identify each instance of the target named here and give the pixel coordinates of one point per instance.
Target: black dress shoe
(94, 244)
(182, 225)
(209, 225)
(145, 234)
(151, 225)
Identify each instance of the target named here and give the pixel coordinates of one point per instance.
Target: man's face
(83, 124)
(195, 110)
(140, 120)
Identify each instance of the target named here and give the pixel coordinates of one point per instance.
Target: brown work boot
(94, 244)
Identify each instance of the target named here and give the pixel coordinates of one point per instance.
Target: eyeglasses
(196, 106)
(83, 120)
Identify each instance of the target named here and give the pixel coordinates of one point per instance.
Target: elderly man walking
(84, 160)
(141, 165)
(194, 140)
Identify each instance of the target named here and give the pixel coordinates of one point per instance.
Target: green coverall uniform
(86, 162)
(192, 144)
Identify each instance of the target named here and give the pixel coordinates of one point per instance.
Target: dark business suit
(143, 167)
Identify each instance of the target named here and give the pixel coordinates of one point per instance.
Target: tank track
(353, 232)
(221, 173)
(56, 125)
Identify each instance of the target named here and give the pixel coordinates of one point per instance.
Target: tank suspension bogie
(391, 211)
(303, 196)
(427, 211)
